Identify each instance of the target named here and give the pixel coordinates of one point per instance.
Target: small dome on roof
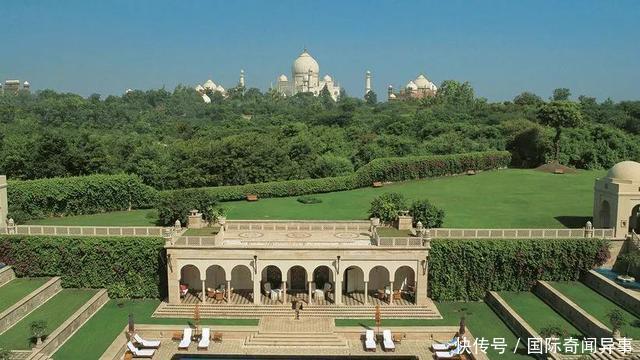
(220, 89)
(625, 170)
(199, 88)
(26, 83)
(327, 78)
(411, 85)
(392, 96)
(282, 77)
(209, 85)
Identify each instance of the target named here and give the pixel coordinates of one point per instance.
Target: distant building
(418, 88)
(13, 86)
(305, 78)
(209, 87)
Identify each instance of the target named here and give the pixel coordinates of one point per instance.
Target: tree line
(172, 139)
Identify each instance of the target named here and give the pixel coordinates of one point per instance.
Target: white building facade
(305, 78)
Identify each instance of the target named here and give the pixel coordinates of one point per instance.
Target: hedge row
(92, 194)
(467, 269)
(129, 267)
(383, 169)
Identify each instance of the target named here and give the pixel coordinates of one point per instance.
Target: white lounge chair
(138, 353)
(206, 337)
(451, 354)
(186, 339)
(387, 341)
(146, 343)
(369, 341)
(452, 344)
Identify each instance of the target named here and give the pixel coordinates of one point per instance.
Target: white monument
(616, 200)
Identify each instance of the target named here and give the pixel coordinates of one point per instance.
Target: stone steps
(288, 339)
(252, 311)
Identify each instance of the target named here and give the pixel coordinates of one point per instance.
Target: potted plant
(617, 321)
(38, 330)
(631, 259)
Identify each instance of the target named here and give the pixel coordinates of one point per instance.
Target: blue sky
(501, 47)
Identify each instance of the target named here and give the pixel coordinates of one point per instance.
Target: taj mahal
(305, 78)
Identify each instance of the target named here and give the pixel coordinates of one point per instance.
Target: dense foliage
(172, 139)
(467, 269)
(176, 205)
(128, 267)
(425, 212)
(387, 207)
(77, 195)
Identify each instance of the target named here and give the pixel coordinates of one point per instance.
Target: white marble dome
(625, 170)
(411, 86)
(304, 63)
(220, 88)
(422, 82)
(199, 88)
(210, 85)
(283, 77)
(327, 78)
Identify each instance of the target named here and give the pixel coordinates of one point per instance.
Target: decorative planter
(375, 221)
(222, 220)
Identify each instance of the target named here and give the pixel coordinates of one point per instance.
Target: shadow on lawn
(573, 222)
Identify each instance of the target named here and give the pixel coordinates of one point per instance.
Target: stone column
(257, 294)
(204, 290)
(173, 281)
(284, 292)
(391, 294)
(366, 292)
(310, 283)
(337, 290)
(228, 291)
(422, 278)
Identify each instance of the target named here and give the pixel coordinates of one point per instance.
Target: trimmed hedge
(91, 194)
(467, 269)
(382, 169)
(128, 267)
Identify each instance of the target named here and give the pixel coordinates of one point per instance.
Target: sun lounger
(453, 343)
(369, 341)
(186, 339)
(138, 353)
(204, 341)
(146, 343)
(387, 341)
(451, 354)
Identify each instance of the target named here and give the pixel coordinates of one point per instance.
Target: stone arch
(216, 277)
(605, 214)
(322, 275)
(404, 278)
(297, 278)
(273, 275)
(353, 279)
(241, 278)
(190, 276)
(634, 217)
(379, 277)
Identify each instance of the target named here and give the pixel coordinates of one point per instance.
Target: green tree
(428, 214)
(631, 259)
(5, 354)
(176, 205)
(371, 98)
(325, 97)
(38, 330)
(617, 320)
(527, 99)
(561, 94)
(387, 206)
(559, 115)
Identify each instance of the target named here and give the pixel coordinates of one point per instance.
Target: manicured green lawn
(480, 319)
(54, 312)
(597, 305)
(393, 232)
(512, 198)
(16, 289)
(95, 336)
(538, 314)
(209, 231)
(145, 217)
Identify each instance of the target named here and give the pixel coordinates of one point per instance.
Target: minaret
(367, 83)
(241, 82)
(389, 92)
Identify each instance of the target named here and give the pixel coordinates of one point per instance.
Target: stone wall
(510, 317)
(60, 335)
(628, 299)
(39, 296)
(6, 275)
(584, 322)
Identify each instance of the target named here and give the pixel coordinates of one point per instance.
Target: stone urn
(375, 222)
(222, 220)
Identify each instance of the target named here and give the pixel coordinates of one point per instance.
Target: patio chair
(218, 295)
(186, 339)
(184, 289)
(452, 344)
(140, 353)
(397, 295)
(369, 341)
(204, 341)
(267, 288)
(146, 343)
(387, 341)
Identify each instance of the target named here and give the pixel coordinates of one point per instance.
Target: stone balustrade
(84, 230)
